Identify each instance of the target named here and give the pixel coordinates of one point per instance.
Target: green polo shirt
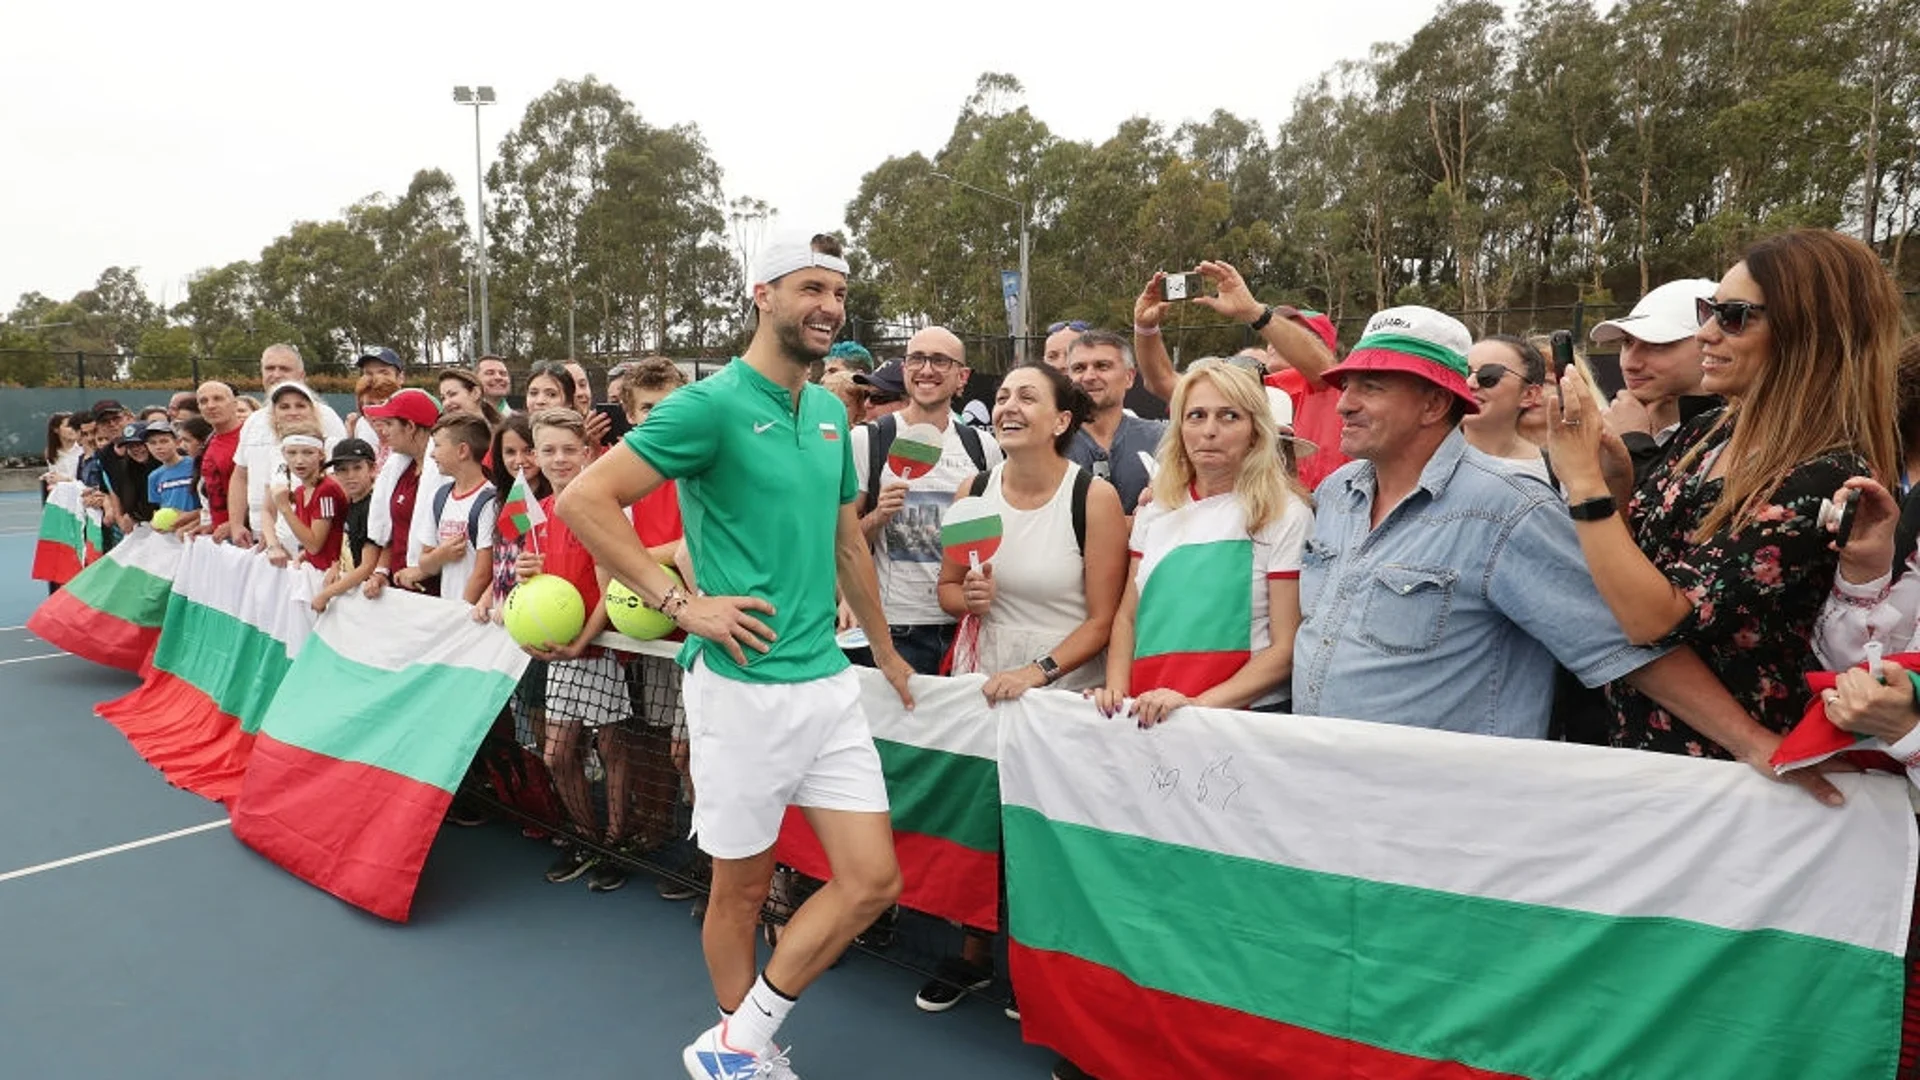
(761, 486)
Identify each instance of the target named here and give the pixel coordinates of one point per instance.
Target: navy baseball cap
(135, 432)
(887, 379)
(379, 354)
(157, 427)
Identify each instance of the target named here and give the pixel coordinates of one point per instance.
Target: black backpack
(474, 513)
(880, 435)
(1082, 483)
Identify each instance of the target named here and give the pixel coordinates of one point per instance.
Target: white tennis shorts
(757, 748)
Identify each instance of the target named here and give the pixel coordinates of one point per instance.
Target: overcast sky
(173, 137)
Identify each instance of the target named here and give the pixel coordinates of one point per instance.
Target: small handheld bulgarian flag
(915, 451)
(521, 513)
(1815, 738)
(970, 531)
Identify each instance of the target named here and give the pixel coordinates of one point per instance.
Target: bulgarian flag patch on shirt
(829, 432)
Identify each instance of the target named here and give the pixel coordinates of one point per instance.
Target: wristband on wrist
(1260, 323)
(673, 602)
(1145, 331)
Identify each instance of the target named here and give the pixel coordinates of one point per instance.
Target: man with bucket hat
(1438, 588)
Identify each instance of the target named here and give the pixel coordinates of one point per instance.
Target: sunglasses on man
(1732, 315)
(1074, 325)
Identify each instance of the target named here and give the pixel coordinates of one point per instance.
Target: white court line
(29, 871)
(42, 656)
(22, 626)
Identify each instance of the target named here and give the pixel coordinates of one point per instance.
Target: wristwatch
(1048, 669)
(1595, 509)
(1260, 323)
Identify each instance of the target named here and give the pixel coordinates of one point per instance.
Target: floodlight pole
(477, 97)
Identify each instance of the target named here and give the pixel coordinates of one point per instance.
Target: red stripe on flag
(55, 562)
(1191, 674)
(179, 730)
(1117, 1030)
(939, 877)
(357, 831)
(65, 623)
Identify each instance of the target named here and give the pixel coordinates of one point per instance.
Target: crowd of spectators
(1427, 530)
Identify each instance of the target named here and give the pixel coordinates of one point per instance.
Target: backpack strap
(440, 500)
(476, 513)
(970, 438)
(1082, 483)
(880, 435)
(978, 485)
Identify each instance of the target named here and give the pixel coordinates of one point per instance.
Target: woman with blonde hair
(1721, 548)
(1213, 591)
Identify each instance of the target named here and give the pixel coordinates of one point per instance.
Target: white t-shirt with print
(906, 551)
(453, 525)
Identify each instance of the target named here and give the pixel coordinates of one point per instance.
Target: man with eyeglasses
(1113, 445)
(1660, 362)
(1060, 336)
(901, 519)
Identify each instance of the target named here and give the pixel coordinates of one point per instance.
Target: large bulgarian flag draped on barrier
(938, 761)
(110, 613)
(366, 742)
(233, 625)
(70, 534)
(1237, 895)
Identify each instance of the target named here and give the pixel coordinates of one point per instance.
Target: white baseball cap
(1662, 317)
(790, 252)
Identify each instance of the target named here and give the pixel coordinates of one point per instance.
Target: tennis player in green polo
(767, 493)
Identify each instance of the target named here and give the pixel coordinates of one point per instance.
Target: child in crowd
(462, 551)
(354, 471)
(308, 510)
(585, 687)
(170, 486)
(514, 462)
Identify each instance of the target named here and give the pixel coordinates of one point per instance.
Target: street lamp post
(476, 97)
(1025, 298)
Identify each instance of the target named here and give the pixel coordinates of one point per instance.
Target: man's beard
(792, 339)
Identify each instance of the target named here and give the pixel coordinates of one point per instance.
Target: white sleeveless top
(1040, 586)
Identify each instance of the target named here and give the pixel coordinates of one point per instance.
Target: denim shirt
(1451, 614)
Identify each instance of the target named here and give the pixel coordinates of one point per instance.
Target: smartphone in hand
(617, 426)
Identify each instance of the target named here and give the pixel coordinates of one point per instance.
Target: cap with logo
(1413, 340)
(411, 405)
(885, 379)
(133, 433)
(1662, 317)
(347, 450)
(379, 354)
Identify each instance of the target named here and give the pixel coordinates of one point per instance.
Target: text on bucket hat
(790, 252)
(1415, 341)
(1662, 317)
(411, 405)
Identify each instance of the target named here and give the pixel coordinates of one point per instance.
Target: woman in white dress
(1046, 601)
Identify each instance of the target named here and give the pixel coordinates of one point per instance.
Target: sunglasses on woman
(1732, 315)
(1489, 375)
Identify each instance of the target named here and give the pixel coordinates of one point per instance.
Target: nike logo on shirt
(758, 428)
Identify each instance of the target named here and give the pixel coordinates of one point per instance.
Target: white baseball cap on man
(1662, 317)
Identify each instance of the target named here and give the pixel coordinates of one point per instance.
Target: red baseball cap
(1417, 341)
(1319, 324)
(417, 407)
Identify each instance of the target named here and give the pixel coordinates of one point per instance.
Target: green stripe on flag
(125, 592)
(59, 526)
(970, 531)
(415, 722)
(913, 450)
(1510, 987)
(954, 797)
(236, 664)
(1198, 598)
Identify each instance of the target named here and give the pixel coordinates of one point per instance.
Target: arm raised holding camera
(1298, 347)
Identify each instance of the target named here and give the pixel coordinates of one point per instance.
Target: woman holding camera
(1721, 548)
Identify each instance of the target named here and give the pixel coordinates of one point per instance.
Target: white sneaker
(710, 1057)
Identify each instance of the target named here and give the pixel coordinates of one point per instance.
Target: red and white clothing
(325, 501)
(656, 518)
(452, 525)
(1202, 581)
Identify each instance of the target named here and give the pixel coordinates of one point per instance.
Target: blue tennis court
(189, 956)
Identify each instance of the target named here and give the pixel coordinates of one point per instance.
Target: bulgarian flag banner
(941, 780)
(233, 625)
(111, 612)
(366, 742)
(521, 512)
(70, 534)
(1230, 893)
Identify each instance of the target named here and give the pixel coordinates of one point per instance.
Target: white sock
(754, 1024)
